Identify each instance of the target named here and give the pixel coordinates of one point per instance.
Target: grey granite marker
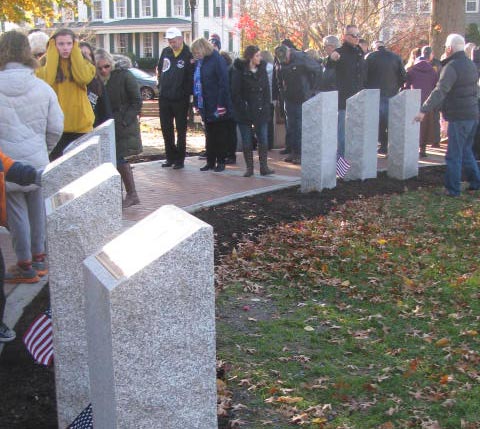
(72, 165)
(361, 134)
(106, 132)
(81, 217)
(151, 325)
(403, 135)
(319, 142)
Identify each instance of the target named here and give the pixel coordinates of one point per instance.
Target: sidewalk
(190, 189)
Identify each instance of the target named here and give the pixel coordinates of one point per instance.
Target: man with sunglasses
(350, 72)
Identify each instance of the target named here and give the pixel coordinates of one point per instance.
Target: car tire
(147, 93)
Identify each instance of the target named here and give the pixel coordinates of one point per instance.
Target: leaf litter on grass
(379, 298)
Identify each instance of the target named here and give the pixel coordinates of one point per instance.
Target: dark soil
(28, 399)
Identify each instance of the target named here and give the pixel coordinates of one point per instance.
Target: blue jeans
(341, 133)
(293, 112)
(246, 131)
(459, 154)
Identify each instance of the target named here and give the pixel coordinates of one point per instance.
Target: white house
(139, 26)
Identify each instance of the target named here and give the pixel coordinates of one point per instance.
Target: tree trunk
(448, 16)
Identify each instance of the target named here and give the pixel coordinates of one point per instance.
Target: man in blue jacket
(456, 94)
(175, 82)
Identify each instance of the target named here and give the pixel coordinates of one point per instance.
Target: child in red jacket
(21, 174)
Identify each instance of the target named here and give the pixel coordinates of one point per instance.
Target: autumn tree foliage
(26, 10)
(306, 22)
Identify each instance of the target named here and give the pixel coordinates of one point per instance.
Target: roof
(139, 22)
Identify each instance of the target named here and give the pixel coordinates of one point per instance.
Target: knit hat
(38, 42)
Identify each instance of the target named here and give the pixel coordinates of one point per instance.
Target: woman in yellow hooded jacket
(69, 73)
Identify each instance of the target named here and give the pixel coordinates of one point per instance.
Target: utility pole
(193, 13)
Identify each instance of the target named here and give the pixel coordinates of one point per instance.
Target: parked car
(147, 83)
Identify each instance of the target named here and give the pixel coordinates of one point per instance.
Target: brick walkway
(192, 189)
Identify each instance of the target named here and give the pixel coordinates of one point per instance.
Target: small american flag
(342, 166)
(38, 339)
(84, 420)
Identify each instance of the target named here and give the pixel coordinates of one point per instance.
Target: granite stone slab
(403, 135)
(151, 325)
(106, 132)
(81, 217)
(319, 142)
(361, 134)
(72, 165)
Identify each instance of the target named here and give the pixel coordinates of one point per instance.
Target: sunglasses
(355, 36)
(105, 67)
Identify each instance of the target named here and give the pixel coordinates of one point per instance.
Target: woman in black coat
(126, 102)
(251, 105)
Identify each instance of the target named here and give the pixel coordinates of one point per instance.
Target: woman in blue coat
(211, 94)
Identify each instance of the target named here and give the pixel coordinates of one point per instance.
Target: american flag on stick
(342, 166)
(84, 420)
(38, 339)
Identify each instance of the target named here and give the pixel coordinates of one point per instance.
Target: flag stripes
(38, 339)
(342, 166)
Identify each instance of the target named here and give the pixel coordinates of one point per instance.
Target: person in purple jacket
(423, 76)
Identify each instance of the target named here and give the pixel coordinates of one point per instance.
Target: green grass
(369, 315)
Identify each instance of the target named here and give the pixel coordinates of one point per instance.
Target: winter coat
(72, 91)
(31, 121)
(250, 93)
(456, 90)
(98, 97)
(385, 72)
(175, 74)
(126, 102)
(350, 72)
(329, 78)
(299, 78)
(422, 76)
(215, 88)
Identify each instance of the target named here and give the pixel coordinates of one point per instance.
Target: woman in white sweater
(31, 123)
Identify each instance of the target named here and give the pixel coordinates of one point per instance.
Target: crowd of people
(55, 89)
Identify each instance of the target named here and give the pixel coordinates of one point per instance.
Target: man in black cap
(175, 82)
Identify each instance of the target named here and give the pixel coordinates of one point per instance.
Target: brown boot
(263, 156)
(248, 155)
(127, 177)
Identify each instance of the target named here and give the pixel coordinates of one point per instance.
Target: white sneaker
(6, 334)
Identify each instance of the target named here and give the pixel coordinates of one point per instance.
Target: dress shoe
(178, 165)
(167, 164)
(206, 167)
(220, 167)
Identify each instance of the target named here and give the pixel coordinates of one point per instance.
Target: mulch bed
(28, 399)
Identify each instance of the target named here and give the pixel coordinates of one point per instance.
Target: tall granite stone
(106, 132)
(319, 142)
(72, 165)
(151, 325)
(81, 217)
(403, 135)
(361, 134)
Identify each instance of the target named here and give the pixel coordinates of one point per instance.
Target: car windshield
(140, 73)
